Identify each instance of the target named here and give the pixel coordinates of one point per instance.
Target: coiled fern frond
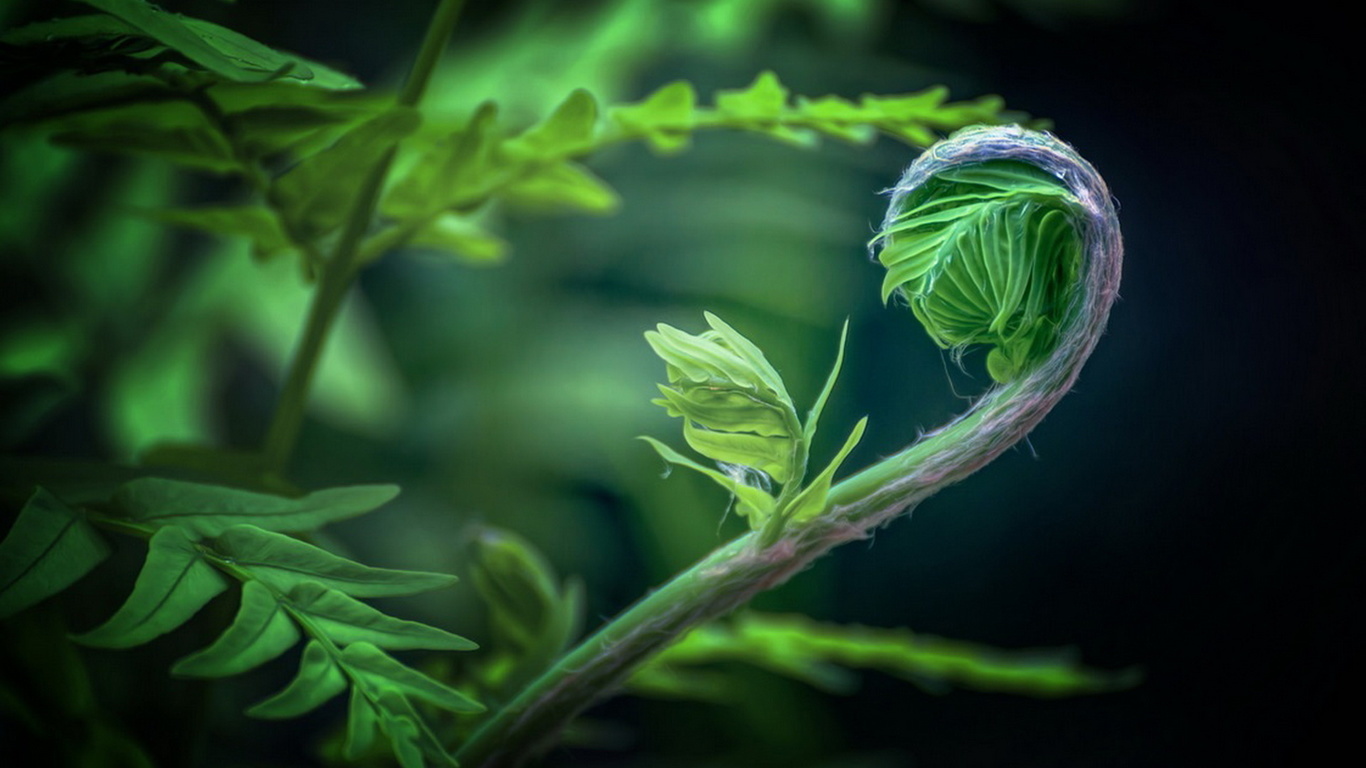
(985, 239)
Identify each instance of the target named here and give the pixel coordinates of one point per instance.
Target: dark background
(1191, 509)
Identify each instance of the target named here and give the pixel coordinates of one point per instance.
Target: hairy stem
(341, 268)
(737, 571)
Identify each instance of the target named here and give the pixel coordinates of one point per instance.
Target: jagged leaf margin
(290, 590)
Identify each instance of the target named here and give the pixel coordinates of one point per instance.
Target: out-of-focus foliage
(823, 655)
(533, 618)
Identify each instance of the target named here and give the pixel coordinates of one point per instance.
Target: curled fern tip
(987, 237)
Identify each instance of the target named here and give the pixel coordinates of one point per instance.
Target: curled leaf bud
(733, 403)
(987, 248)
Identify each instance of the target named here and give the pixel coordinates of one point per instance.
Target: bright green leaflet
(175, 582)
(987, 254)
(282, 562)
(260, 632)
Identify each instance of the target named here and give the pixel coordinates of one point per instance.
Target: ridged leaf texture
(50, 546)
(986, 254)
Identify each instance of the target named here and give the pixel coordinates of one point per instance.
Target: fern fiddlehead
(998, 235)
(1044, 326)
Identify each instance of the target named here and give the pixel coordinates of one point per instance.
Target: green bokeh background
(1186, 509)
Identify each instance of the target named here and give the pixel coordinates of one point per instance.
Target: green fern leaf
(665, 118)
(254, 222)
(736, 409)
(456, 174)
(763, 101)
(813, 416)
(378, 670)
(175, 131)
(319, 679)
(209, 510)
(49, 547)
(413, 743)
(567, 131)
(219, 50)
(770, 455)
(811, 502)
(175, 582)
(564, 185)
(283, 562)
(346, 620)
(362, 725)
(260, 632)
(461, 238)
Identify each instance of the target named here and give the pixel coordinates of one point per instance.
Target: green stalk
(341, 268)
(737, 571)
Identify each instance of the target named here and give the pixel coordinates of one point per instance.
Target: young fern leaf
(812, 500)
(734, 406)
(736, 411)
(174, 583)
(813, 417)
(49, 548)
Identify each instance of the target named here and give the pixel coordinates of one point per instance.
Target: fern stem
(340, 270)
(737, 571)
